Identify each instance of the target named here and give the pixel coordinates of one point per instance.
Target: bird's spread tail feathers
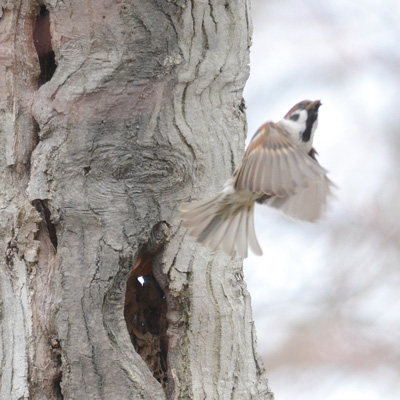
(218, 225)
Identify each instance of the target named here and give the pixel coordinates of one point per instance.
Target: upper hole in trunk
(42, 42)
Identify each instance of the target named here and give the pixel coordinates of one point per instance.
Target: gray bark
(144, 111)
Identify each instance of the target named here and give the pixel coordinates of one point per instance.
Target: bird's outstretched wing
(284, 175)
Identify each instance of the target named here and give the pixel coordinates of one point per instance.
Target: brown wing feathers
(273, 166)
(292, 180)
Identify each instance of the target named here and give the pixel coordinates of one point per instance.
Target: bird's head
(301, 121)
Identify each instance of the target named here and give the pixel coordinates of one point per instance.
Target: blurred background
(326, 296)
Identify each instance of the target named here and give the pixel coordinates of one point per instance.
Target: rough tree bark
(131, 108)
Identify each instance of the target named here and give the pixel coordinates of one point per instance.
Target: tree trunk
(112, 113)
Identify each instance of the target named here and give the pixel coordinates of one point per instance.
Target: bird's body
(279, 169)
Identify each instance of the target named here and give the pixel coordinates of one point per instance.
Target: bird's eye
(294, 117)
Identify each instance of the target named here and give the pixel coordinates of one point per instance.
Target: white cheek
(294, 128)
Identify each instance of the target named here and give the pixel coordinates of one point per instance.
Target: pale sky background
(326, 296)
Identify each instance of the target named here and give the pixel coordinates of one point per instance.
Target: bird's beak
(314, 105)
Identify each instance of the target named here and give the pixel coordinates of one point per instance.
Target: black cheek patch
(312, 117)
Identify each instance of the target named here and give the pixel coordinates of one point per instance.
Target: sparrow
(279, 169)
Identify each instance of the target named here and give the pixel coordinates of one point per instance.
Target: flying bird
(279, 169)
